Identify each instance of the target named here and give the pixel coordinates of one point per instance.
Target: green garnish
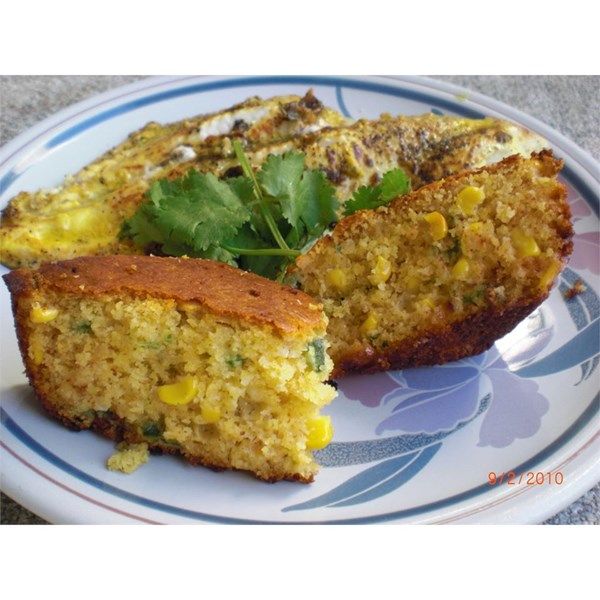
(393, 184)
(83, 327)
(151, 345)
(259, 222)
(194, 214)
(315, 354)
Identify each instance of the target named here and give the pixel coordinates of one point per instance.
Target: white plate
(411, 446)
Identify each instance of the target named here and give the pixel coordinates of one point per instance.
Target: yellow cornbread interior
(223, 392)
(478, 241)
(128, 457)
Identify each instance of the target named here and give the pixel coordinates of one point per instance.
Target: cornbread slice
(443, 272)
(186, 355)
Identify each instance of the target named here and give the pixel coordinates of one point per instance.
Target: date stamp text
(526, 478)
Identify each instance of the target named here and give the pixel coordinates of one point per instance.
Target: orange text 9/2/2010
(527, 478)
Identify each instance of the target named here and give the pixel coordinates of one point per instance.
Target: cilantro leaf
(363, 198)
(196, 212)
(242, 188)
(393, 184)
(215, 253)
(201, 211)
(319, 202)
(280, 178)
(263, 207)
(142, 229)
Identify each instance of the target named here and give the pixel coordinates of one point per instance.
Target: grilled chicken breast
(85, 215)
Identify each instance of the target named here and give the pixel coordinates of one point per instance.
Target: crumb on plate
(128, 457)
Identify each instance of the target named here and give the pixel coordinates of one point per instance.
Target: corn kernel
(210, 414)
(337, 278)
(549, 274)
(181, 392)
(469, 199)
(461, 268)
(525, 244)
(381, 272)
(36, 352)
(475, 226)
(42, 315)
(320, 432)
(437, 225)
(369, 325)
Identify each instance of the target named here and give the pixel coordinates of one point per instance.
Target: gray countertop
(569, 104)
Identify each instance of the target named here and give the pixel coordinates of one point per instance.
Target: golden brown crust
(218, 288)
(469, 337)
(22, 330)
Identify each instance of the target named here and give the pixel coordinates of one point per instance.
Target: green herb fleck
(83, 327)
(106, 414)
(474, 297)
(454, 249)
(87, 417)
(233, 362)
(151, 345)
(315, 354)
(151, 429)
(157, 344)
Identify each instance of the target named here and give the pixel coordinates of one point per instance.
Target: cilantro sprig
(393, 184)
(259, 222)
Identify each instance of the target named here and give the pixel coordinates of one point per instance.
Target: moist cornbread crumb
(186, 355)
(443, 272)
(128, 457)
